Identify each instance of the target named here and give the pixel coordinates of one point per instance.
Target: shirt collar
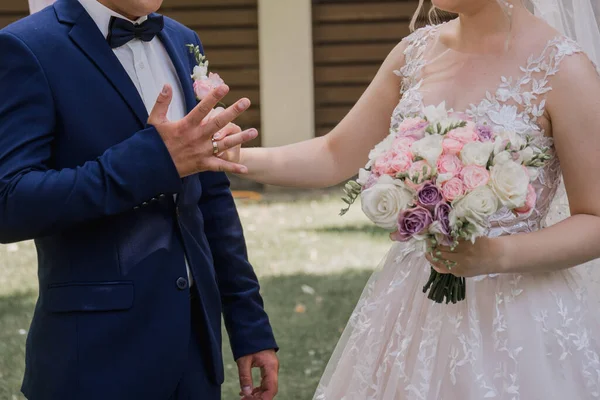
(102, 14)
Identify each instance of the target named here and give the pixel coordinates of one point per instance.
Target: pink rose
(530, 201)
(449, 164)
(203, 87)
(403, 144)
(451, 146)
(466, 134)
(413, 127)
(474, 176)
(418, 173)
(393, 163)
(453, 189)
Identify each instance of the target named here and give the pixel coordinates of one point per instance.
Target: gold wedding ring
(215, 147)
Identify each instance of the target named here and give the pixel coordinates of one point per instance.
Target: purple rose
(429, 196)
(441, 224)
(412, 222)
(484, 132)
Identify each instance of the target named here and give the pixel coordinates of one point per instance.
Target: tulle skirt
(516, 337)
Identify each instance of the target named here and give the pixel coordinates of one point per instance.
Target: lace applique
(517, 104)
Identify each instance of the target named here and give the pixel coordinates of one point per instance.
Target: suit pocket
(89, 297)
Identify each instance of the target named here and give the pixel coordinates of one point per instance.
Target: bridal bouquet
(439, 177)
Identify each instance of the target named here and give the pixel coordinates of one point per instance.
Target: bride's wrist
(504, 254)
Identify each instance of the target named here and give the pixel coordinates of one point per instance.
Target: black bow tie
(121, 31)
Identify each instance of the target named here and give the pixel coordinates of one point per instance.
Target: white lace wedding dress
(516, 337)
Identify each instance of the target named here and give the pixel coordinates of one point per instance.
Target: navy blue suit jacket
(83, 174)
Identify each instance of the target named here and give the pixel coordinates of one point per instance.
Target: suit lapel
(176, 52)
(182, 65)
(86, 36)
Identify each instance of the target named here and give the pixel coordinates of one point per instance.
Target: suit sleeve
(245, 318)
(36, 200)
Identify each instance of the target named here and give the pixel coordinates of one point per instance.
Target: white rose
(526, 154)
(509, 181)
(436, 114)
(475, 208)
(380, 149)
(476, 153)
(383, 202)
(363, 177)
(200, 72)
(501, 158)
(429, 148)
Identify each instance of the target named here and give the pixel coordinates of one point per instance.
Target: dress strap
(416, 44)
(530, 90)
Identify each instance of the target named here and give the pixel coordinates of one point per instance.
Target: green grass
(294, 247)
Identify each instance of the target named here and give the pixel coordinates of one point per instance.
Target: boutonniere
(204, 82)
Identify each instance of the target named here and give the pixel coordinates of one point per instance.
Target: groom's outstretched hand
(269, 371)
(190, 141)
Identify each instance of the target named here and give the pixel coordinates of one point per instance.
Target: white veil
(37, 5)
(577, 19)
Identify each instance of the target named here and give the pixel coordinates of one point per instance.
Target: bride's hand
(485, 256)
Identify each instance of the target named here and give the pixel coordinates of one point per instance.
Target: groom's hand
(269, 371)
(190, 142)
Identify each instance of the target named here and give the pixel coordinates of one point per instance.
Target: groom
(140, 247)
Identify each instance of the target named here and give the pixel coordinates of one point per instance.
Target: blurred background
(303, 64)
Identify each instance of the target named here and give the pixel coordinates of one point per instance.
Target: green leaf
(352, 191)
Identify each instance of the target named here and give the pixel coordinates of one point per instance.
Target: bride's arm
(573, 105)
(328, 160)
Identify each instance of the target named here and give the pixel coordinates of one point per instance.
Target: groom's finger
(224, 118)
(245, 371)
(269, 385)
(158, 115)
(203, 109)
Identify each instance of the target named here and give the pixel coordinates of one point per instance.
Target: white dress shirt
(148, 65)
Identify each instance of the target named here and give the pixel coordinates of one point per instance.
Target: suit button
(162, 196)
(182, 283)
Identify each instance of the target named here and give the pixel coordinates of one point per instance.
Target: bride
(530, 326)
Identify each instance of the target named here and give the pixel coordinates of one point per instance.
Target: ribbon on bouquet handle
(37, 5)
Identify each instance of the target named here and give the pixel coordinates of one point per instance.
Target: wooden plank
(330, 116)
(220, 57)
(371, 32)
(6, 20)
(241, 77)
(348, 95)
(322, 131)
(232, 37)
(249, 119)
(236, 94)
(364, 11)
(167, 4)
(345, 74)
(352, 53)
(14, 6)
(219, 18)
